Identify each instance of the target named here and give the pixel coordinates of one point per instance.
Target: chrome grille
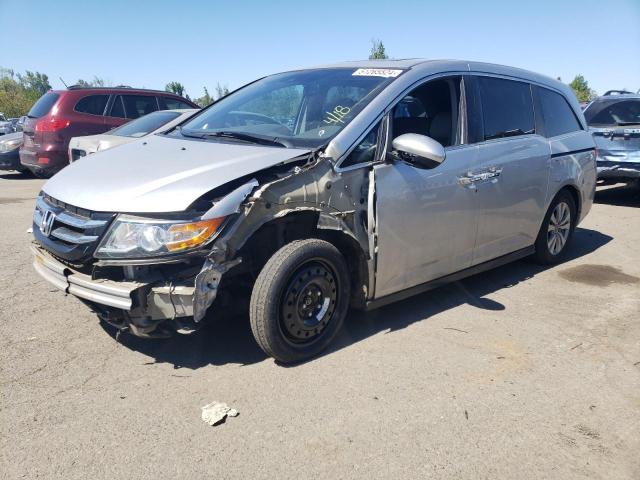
(69, 232)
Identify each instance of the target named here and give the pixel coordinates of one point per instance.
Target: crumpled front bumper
(138, 299)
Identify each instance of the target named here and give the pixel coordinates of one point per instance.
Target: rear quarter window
(558, 116)
(43, 105)
(92, 104)
(507, 108)
(138, 105)
(168, 103)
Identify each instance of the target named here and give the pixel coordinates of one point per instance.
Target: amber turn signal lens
(188, 235)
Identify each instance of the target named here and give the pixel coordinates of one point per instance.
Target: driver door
(426, 218)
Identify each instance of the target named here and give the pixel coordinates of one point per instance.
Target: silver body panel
(512, 200)
(573, 169)
(426, 221)
(158, 174)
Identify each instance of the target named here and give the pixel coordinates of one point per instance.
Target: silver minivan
(317, 190)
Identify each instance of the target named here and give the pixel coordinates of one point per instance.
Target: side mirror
(420, 146)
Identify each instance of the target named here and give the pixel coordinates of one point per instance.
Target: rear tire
(557, 229)
(299, 300)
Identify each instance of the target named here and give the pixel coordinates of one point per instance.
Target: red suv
(60, 115)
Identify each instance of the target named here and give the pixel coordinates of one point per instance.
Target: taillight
(52, 124)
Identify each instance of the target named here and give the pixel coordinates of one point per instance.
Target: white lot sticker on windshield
(377, 72)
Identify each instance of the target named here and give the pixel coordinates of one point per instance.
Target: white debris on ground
(216, 412)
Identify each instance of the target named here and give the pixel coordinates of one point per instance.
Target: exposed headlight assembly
(137, 237)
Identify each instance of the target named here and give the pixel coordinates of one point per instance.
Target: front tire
(300, 300)
(557, 229)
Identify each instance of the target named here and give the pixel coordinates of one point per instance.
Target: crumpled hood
(158, 174)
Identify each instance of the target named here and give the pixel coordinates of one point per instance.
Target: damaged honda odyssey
(315, 191)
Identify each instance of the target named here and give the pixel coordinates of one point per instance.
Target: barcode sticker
(377, 72)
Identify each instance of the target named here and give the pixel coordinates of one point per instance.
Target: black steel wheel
(299, 300)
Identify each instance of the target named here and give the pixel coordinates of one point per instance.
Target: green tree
(175, 87)
(221, 91)
(35, 81)
(16, 97)
(377, 51)
(581, 88)
(96, 82)
(205, 100)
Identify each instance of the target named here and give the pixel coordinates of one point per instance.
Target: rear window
(167, 103)
(507, 108)
(43, 105)
(139, 105)
(558, 115)
(616, 112)
(145, 125)
(92, 104)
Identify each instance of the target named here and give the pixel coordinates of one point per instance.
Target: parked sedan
(9, 146)
(155, 122)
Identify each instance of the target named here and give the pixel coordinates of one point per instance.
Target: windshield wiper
(624, 124)
(245, 137)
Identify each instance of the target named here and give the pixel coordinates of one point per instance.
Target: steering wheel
(241, 118)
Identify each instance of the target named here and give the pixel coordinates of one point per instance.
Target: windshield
(43, 105)
(300, 109)
(616, 112)
(144, 125)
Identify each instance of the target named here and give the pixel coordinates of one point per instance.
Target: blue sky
(200, 43)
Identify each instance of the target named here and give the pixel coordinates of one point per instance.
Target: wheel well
(575, 194)
(276, 233)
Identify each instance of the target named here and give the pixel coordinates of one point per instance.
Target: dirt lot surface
(522, 372)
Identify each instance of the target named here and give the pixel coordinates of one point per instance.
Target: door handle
(467, 180)
(471, 178)
(488, 174)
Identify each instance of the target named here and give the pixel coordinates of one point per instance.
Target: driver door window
(432, 109)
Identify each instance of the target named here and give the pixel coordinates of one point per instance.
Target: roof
(617, 97)
(448, 65)
(403, 63)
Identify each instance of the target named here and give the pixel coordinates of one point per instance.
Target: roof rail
(617, 92)
(80, 87)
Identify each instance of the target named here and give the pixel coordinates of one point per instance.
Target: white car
(155, 122)
(5, 126)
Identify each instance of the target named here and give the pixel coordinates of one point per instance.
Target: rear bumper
(44, 160)
(618, 170)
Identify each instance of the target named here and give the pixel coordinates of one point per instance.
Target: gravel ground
(521, 372)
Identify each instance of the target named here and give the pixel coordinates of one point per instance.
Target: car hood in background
(158, 174)
(93, 143)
